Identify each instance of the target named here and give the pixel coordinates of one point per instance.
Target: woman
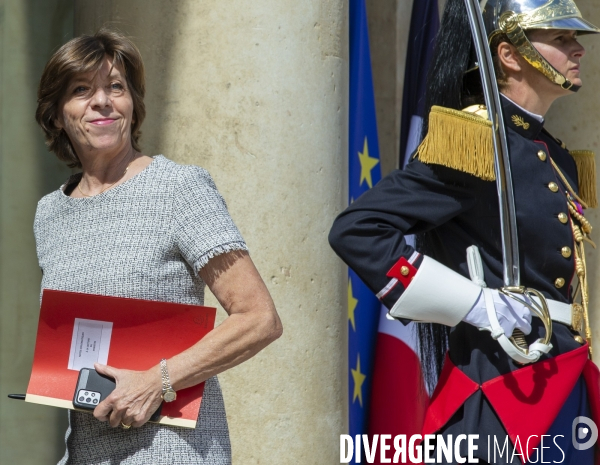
(447, 196)
(133, 226)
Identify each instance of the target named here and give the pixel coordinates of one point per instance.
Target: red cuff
(403, 271)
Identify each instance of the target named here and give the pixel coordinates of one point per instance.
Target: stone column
(256, 92)
(29, 31)
(575, 120)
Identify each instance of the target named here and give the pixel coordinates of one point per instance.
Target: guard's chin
(577, 84)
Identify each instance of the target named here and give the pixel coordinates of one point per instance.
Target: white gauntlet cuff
(436, 295)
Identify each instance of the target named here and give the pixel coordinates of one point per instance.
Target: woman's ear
(509, 57)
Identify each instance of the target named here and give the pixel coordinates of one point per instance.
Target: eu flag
(364, 172)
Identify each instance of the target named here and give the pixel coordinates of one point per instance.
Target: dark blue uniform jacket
(458, 210)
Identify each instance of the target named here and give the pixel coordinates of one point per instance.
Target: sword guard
(516, 346)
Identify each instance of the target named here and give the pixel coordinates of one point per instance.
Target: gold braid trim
(582, 230)
(586, 172)
(582, 309)
(567, 185)
(459, 140)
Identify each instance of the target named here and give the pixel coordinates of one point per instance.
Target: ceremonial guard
(511, 312)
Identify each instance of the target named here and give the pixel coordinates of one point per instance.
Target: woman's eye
(117, 86)
(80, 90)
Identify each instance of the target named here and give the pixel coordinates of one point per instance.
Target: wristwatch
(168, 393)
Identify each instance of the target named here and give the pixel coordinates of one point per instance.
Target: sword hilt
(519, 350)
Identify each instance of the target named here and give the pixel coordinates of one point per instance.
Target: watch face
(169, 396)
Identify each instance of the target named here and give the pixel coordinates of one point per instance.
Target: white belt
(560, 311)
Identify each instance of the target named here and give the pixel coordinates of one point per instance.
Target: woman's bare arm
(252, 324)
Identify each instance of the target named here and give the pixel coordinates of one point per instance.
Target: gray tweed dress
(145, 238)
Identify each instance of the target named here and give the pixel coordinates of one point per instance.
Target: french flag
(399, 397)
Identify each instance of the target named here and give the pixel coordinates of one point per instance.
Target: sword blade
(506, 200)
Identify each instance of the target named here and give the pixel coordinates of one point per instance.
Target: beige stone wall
(29, 30)
(389, 23)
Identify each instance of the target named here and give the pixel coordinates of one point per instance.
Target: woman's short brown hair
(79, 56)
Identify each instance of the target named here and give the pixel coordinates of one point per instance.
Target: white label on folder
(90, 343)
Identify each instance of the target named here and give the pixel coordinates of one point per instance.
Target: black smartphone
(92, 388)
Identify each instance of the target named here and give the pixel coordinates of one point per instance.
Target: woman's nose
(100, 98)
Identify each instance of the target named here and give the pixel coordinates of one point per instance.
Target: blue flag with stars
(364, 173)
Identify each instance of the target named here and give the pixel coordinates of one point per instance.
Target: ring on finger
(125, 427)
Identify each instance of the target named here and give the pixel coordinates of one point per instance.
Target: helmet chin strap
(509, 24)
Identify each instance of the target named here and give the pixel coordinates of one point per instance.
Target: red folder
(143, 333)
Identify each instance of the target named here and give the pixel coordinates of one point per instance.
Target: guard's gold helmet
(514, 17)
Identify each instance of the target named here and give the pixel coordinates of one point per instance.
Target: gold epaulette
(461, 140)
(586, 172)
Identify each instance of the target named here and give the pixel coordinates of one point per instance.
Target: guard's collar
(520, 120)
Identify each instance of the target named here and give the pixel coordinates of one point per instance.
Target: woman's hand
(134, 400)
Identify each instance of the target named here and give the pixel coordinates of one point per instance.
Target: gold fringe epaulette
(586, 172)
(460, 140)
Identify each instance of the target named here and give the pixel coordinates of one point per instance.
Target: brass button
(566, 252)
(563, 218)
(560, 282)
(542, 155)
(553, 187)
(404, 271)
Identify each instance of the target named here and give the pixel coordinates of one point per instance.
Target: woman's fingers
(134, 400)
(104, 409)
(138, 415)
(101, 413)
(107, 370)
(125, 413)
(116, 417)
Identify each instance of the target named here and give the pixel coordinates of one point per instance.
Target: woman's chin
(107, 147)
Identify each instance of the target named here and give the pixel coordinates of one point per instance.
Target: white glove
(511, 313)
